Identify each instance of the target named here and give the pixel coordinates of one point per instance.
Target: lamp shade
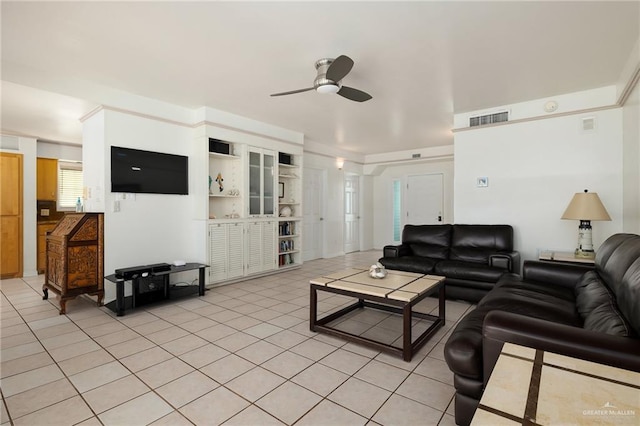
(586, 206)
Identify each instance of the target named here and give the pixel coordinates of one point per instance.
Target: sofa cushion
(429, 250)
(468, 271)
(548, 302)
(590, 293)
(474, 243)
(418, 264)
(551, 289)
(618, 264)
(606, 318)
(428, 240)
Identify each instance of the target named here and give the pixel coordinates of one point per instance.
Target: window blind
(69, 185)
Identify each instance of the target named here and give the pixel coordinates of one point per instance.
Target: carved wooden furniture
(75, 258)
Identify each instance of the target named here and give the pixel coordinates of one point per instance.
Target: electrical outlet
(116, 206)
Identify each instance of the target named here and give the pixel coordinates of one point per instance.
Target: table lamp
(585, 207)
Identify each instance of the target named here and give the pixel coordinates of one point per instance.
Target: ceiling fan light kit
(328, 88)
(330, 73)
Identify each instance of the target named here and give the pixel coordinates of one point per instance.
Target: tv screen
(133, 170)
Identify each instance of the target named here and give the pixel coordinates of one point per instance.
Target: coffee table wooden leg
(313, 306)
(406, 332)
(442, 304)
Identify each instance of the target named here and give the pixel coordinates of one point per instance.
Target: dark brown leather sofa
(587, 313)
(471, 257)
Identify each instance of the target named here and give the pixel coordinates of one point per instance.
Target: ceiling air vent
(481, 120)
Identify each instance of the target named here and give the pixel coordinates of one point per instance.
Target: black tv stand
(152, 286)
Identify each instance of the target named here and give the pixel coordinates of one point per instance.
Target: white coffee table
(398, 292)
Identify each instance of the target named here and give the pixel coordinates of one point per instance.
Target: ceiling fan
(328, 80)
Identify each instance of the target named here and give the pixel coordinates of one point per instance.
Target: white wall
(383, 193)
(631, 163)
(534, 168)
(149, 228)
(59, 151)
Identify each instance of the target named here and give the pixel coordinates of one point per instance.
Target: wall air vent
(496, 117)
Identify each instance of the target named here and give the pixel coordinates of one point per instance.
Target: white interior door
(312, 224)
(424, 199)
(351, 213)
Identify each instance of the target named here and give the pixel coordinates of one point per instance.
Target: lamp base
(583, 254)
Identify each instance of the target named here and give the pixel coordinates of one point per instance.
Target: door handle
(322, 218)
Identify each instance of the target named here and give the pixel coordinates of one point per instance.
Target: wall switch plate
(116, 206)
(44, 212)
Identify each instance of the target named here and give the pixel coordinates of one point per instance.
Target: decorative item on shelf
(285, 211)
(280, 189)
(585, 207)
(233, 192)
(220, 180)
(210, 182)
(377, 271)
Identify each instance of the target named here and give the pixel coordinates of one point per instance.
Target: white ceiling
(421, 61)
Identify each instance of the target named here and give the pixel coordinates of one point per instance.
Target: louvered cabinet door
(218, 252)
(268, 246)
(254, 247)
(236, 250)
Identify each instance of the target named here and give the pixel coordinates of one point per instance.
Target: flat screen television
(134, 170)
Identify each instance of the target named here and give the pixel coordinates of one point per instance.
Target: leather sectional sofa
(588, 313)
(471, 257)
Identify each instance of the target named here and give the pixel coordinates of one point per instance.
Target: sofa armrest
(507, 261)
(500, 327)
(396, 251)
(566, 275)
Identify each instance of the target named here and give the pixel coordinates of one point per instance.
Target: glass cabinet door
(262, 175)
(268, 173)
(255, 187)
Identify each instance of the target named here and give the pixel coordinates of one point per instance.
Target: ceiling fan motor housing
(322, 84)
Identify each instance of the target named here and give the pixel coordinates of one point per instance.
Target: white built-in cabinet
(261, 244)
(261, 182)
(226, 251)
(249, 232)
(290, 214)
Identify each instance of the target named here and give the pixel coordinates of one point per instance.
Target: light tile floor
(240, 355)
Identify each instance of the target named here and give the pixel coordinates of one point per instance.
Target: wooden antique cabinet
(75, 258)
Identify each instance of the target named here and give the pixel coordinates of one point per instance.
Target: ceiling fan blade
(354, 94)
(339, 68)
(292, 92)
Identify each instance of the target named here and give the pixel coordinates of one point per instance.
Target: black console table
(156, 287)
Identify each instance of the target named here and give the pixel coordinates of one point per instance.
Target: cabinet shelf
(282, 203)
(287, 166)
(223, 196)
(288, 236)
(289, 219)
(223, 156)
(289, 252)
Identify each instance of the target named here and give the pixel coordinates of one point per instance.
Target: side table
(564, 256)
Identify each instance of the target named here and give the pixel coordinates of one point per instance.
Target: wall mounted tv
(133, 170)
